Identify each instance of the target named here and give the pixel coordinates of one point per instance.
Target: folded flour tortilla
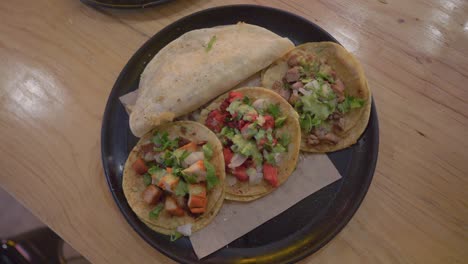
(199, 66)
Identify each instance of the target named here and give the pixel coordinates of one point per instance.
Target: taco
(327, 87)
(260, 134)
(199, 66)
(174, 178)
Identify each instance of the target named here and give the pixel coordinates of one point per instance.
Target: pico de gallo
(248, 129)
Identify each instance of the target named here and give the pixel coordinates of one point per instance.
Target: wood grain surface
(59, 60)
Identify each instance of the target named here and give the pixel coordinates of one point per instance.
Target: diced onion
(185, 230)
(278, 157)
(257, 176)
(260, 120)
(237, 160)
(149, 156)
(192, 158)
(304, 91)
(157, 157)
(259, 104)
(231, 180)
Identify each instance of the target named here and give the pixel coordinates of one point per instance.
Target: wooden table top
(59, 60)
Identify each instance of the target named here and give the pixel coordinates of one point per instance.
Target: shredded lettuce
(246, 148)
(278, 149)
(228, 132)
(279, 122)
(349, 103)
(285, 139)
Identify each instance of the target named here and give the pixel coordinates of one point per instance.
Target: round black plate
(292, 235)
(125, 3)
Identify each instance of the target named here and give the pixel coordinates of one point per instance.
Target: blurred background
(25, 239)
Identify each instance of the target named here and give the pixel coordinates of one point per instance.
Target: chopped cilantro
(270, 158)
(210, 44)
(349, 103)
(207, 151)
(211, 179)
(274, 110)
(247, 100)
(188, 178)
(163, 142)
(155, 212)
(168, 159)
(147, 179)
(153, 170)
(181, 189)
(180, 155)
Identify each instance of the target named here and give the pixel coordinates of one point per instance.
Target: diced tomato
(240, 124)
(248, 163)
(270, 174)
(241, 173)
(235, 95)
(224, 105)
(232, 124)
(215, 120)
(227, 152)
(169, 170)
(275, 141)
(261, 142)
(139, 166)
(269, 122)
(245, 126)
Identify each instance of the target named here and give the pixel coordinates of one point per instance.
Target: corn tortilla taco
(174, 177)
(199, 66)
(328, 88)
(260, 134)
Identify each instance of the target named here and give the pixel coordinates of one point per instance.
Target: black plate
(292, 235)
(125, 3)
